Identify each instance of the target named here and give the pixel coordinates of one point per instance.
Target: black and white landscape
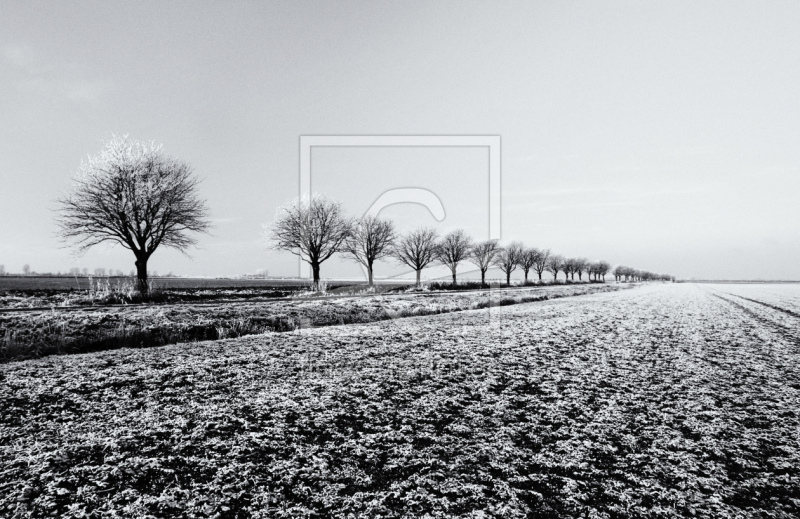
(399, 259)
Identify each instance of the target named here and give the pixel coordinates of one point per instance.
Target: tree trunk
(526, 277)
(508, 278)
(315, 270)
(454, 275)
(555, 277)
(369, 274)
(483, 278)
(419, 271)
(141, 276)
(540, 276)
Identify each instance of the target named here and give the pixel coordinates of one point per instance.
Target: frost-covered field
(662, 401)
(31, 334)
(785, 298)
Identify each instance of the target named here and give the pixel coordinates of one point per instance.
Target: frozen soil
(27, 334)
(663, 401)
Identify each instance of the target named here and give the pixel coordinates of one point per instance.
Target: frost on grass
(40, 333)
(659, 402)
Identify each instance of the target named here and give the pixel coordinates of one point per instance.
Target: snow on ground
(663, 401)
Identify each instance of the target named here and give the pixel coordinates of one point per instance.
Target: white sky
(660, 135)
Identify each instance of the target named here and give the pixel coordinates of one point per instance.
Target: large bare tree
(555, 264)
(370, 239)
(417, 249)
(540, 262)
(453, 249)
(482, 254)
(132, 194)
(313, 228)
(508, 258)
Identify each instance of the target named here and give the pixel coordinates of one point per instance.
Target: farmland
(668, 400)
(221, 312)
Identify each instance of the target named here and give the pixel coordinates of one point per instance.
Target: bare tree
(26, 269)
(591, 270)
(555, 264)
(99, 272)
(314, 229)
(569, 268)
(527, 260)
(579, 266)
(601, 269)
(132, 194)
(417, 249)
(453, 249)
(483, 254)
(540, 262)
(507, 259)
(370, 239)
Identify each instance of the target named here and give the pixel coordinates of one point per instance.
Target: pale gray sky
(660, 135)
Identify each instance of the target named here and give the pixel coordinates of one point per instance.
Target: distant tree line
(316, 228)
(622, 273)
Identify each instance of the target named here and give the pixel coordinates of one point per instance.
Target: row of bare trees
(315, 229)
(132, 194)
(622, 273)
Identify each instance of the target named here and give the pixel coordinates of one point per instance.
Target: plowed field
(662, 401)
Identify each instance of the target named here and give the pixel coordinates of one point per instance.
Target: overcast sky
(660, 135)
